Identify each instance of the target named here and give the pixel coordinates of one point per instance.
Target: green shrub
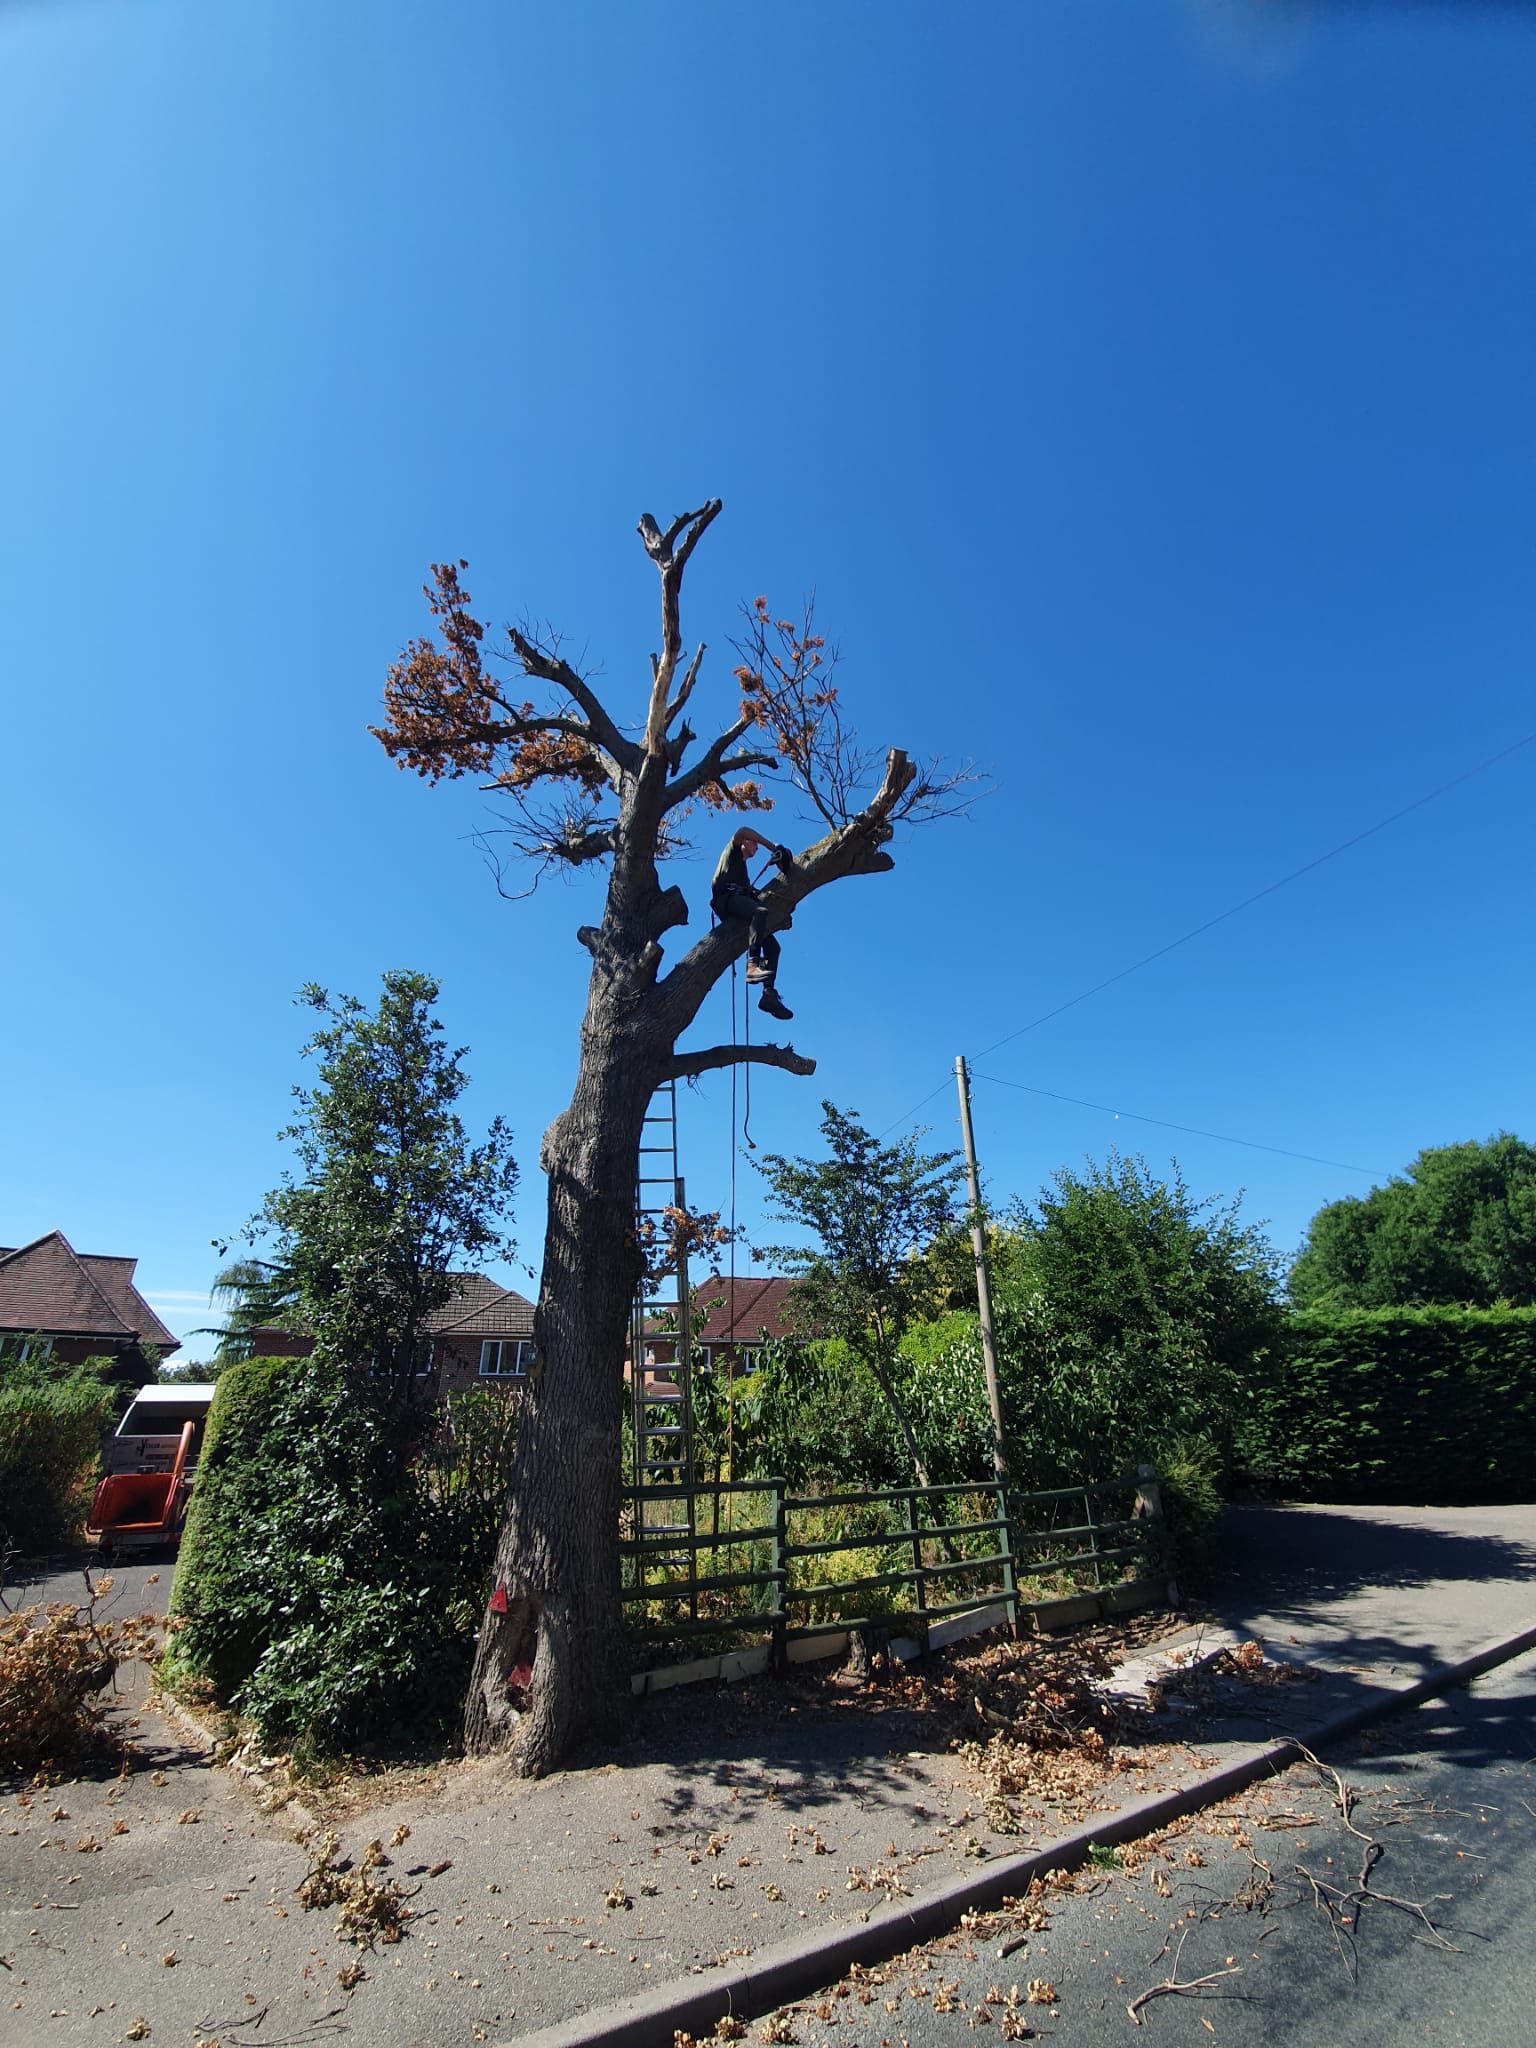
(330, 1578)
(1189, 1475)
(810, 1414)
(369, 1661)
(50, 1440)
(462, 1476)
(1407, 1404)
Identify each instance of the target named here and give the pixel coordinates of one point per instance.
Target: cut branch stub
(686, 1066)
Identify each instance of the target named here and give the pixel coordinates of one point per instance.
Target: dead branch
(670, 552)
(539, 658)
(1175, 1986)
(1342, 1906)
(686, 1066)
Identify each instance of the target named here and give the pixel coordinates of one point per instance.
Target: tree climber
(732, 895)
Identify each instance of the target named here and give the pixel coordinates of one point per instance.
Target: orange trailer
(134, 1509)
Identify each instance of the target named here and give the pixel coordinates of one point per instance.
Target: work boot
(770, 1002)
(759, 970)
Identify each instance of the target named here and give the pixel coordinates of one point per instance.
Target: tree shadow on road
(1288, 1560)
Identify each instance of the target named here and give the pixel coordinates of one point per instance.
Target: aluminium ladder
(661, 1404)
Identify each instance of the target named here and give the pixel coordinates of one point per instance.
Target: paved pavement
(736, 1821)
(1385, 1590)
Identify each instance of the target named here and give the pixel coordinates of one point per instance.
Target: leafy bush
(1189, 1473)
(810, 1414)
(368, 1661)
(1428, 1404)
(942, 1384)
(462, 1476)
(330, 1578)
(50, 1439)
(53, 1663)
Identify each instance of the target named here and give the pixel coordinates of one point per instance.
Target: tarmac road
(140, 1585)
(1448, 1790)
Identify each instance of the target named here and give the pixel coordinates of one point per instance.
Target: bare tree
(551, 1668)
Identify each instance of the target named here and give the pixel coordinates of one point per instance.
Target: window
(382, 1369)
(19, 1350)
(507, 1358)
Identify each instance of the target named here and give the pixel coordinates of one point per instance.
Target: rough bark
(557, 1559)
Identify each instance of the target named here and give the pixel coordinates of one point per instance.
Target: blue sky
(1144, 389)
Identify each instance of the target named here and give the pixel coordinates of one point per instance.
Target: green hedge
(50, 1440)
(238, 1486)
(333, 1568)
(1406, 1404)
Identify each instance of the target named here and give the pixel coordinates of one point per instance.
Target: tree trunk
(551, 1668)
(903, 1420)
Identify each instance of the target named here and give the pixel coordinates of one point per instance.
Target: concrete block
(807, 1649)
(744, 1663)
(954, 1628)
(1133, 1598)
(697, 1673)
(1068, 1613)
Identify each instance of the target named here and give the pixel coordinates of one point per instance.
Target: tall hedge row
(1405, 1404)
(333, 1567)
(50, 1435)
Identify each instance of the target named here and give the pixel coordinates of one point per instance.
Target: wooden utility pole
(983, 1277)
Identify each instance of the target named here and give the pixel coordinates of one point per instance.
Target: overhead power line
(1221, 917)
(1259, 894)
(1189, 1130)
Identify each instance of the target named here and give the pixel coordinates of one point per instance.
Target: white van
(147, 1438)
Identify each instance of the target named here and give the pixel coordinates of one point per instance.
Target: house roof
(742, 1310)
(482, 1309)
(479, 1308)
(49, 1287)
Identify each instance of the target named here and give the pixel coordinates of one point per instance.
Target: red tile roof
(739, 1311)
(49, 1287)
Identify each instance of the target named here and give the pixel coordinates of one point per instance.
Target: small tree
(328, 1577)
(1136, 1317)
(391, 1195)
(874, 1211)
(255, 1295)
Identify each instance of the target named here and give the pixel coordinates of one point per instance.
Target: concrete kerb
(790, 1969)
(219, 1748)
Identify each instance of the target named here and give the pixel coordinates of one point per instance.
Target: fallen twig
(1342, 1905)
(1175, 1986)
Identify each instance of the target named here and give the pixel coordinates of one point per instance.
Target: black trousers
(746, 903)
